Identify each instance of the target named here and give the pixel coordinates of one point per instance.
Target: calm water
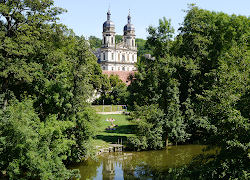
(137, 165)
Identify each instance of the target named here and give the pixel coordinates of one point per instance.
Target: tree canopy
(200, 81)
(47, 76)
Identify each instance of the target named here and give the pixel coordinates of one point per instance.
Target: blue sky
(86, 17)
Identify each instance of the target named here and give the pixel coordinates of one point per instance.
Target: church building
(118, 58)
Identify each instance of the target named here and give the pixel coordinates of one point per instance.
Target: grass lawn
(124, 130)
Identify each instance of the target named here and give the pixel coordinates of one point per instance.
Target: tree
(149, 131)
(46, 62)
(218, 45)
(94, 42)
(141, 47)
(30, 148)
(159, 39)
(116, 94)
(158, 82)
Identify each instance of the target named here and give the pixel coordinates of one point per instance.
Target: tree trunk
(167, 141)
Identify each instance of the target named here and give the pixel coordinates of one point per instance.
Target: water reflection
(138, 165)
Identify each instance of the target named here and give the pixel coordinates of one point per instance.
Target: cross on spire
(129, 17)
(108, 15)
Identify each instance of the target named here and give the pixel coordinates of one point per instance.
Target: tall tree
(157, 82)
(44, 61)
(219, 45)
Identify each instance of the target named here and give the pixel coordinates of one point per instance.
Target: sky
(86, 17)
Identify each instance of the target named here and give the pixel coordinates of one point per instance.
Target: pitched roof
(123, 75)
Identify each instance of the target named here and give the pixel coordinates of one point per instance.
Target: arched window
(112, 56)
(123, 68)
(118, 57)
(133, 57)
(128, 57)
(103, 67)
(123, 57)
(104, 58)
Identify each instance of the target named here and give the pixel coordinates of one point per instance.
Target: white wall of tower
(118, 57)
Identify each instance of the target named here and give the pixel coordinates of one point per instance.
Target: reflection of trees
(88, 169)
(140, 165)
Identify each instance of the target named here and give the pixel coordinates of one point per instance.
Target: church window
(128, 57)
(133, 58)
(103, 67)
(112, 56)
(104, 40)
(123, 57)
(118, 57)
(104, 58)
(123, 68)
(112, 68)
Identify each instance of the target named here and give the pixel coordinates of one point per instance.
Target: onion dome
(129, 26)
(108, 25)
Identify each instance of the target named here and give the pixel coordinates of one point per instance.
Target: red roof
(123, 75)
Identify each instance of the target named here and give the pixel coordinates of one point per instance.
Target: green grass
(124, 130)
(107, 108)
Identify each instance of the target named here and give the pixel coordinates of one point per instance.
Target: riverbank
(117, 135)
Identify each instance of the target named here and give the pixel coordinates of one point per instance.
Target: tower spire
(129, 17)
(108, 15)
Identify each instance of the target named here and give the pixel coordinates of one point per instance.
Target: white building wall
(116, 60)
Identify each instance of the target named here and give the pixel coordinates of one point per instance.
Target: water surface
(137, 165)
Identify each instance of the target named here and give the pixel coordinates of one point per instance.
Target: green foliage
(116, 94)
(118, 38)
(94, 42)
(42, 59)
(150, 121)
(141, 47)
(157, 83)
(30, 148)
(159, 39)
(82, 133)
(201, 82)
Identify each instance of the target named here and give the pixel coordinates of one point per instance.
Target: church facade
(118, 58)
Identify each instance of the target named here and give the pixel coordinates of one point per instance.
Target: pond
(137, 165)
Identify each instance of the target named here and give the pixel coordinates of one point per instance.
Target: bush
(30, 148)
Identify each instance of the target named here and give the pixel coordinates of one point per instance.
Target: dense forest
(195, 88)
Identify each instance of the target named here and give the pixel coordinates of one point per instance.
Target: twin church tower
(118, 58)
